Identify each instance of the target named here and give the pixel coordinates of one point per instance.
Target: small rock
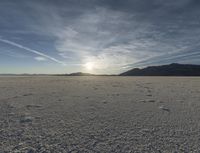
(26, 119)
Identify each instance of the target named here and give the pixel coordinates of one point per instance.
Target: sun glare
(89, 66)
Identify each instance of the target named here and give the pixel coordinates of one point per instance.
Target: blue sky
(97, 36)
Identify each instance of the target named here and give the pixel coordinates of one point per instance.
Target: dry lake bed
(99, 114)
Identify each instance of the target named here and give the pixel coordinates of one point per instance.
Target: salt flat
(100, 114)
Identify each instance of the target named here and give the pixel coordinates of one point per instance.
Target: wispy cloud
(32, 51)
(40, 58)
(12, 53)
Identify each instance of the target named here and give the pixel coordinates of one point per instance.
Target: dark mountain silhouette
(173, 69)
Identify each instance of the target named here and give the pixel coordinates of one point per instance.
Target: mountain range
(173, 69)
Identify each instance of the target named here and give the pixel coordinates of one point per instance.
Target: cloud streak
(32, 51)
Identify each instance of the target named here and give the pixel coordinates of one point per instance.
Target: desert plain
(99, 114)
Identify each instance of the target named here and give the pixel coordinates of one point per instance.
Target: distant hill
(76, 74)
(80, 74)
(71, 74)
(85, 74)
(173, 69)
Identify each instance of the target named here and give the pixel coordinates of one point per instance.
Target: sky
(97, 36)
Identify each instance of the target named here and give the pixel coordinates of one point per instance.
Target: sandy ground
(99, 114)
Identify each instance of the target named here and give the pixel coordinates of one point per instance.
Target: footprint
(28, 94)
(142, 101)
(104, 101)
(33, 106)
(164, 108)
(151, 101)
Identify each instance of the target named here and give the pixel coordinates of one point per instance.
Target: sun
(89, 66)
